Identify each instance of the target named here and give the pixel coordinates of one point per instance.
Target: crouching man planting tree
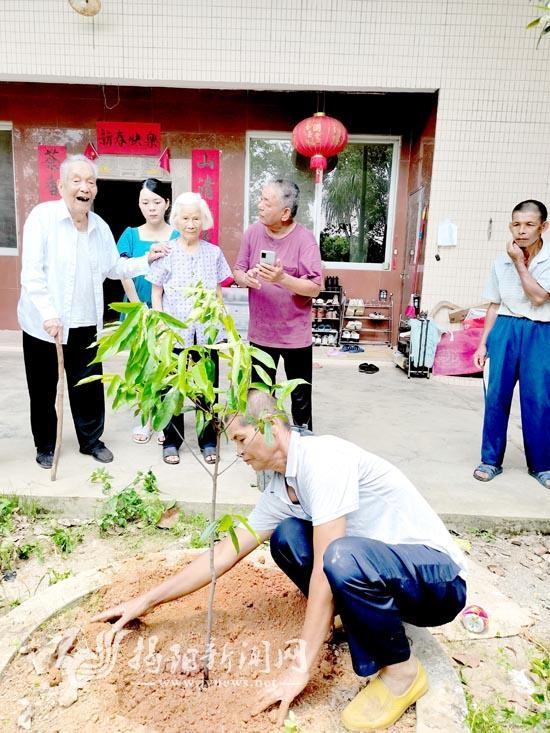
(352, 532)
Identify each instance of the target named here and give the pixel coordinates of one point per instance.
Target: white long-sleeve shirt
(50, 247)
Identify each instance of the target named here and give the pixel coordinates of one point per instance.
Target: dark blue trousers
(519, 350)
(375, 587)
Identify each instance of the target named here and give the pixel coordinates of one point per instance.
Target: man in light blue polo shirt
(516, 339)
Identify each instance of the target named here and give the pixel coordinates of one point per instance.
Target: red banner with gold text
(205, 179)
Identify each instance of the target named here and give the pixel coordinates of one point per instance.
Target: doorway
(117, 204)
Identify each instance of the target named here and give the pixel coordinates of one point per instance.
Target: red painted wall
(66, 115)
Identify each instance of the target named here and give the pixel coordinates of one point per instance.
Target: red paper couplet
(128, 138)
(50, 158)
(205, 179)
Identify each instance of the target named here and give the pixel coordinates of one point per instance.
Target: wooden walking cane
(58, 404)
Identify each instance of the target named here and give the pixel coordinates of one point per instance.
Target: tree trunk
(210, 611)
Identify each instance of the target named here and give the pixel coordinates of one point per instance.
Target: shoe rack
(367, 321)
(327, 313)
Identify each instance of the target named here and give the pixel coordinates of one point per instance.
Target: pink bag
(455, 351)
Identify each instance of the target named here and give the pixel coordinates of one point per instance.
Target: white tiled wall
(493, 135)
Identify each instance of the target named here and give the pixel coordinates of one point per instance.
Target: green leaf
(87, 380)
(209, 531)
(268, 433)
(126, 307)
(262, 357)
(113, 386)
(261, 387)
(111, 345)
(225, 523)
(263, 375)
(171, 321)
(246, 525)
(166, 411)
(234, 539)
(200, 422)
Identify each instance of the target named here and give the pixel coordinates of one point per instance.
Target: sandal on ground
(491, 472)
(141, 434)
(368, 368)
(160, 438)
(209, 454)
(170, 455)
(543, 477)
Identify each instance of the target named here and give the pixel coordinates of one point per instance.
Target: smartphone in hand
(267, 257)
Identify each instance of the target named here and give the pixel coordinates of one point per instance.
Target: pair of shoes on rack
(350, 335)
(318, 301)
(377, 316)
(354, 326)
(325, 340)
(355, 307)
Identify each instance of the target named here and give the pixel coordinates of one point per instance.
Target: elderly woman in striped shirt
(191, 261)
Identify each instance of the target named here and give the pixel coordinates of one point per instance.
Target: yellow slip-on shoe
(376, 707)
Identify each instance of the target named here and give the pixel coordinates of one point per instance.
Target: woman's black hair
(162, 189)
(532, 205)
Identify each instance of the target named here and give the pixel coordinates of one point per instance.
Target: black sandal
(368, 368)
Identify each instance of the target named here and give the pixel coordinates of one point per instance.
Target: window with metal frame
(359, 191)
(8, 224)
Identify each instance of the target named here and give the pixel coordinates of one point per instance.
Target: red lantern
(319, 137)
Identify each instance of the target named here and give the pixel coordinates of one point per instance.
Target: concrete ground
(428, 428)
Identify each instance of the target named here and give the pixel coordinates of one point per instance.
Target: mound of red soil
(159, 667)
(152, 682)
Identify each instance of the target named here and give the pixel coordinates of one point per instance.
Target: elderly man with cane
(68, 251)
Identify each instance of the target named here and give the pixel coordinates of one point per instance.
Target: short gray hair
(259, 406)
(289, 193)
(70, 160)
(189, 198)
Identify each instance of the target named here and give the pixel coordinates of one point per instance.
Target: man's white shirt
(333, 478)
(49, 286)
(504, 286)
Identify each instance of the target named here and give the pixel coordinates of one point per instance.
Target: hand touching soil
(285, 689)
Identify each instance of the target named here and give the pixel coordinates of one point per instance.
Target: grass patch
(138, 502)
(12, 506)
(66, 539)
(497, 717)
(55, 576)
(192, 525)
(8, 555)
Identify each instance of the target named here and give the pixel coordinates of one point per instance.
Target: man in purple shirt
(280, 294)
